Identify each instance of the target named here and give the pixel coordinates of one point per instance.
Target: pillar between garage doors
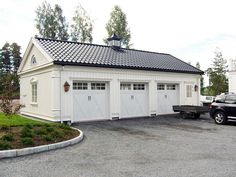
(114, 98)
(152, 97)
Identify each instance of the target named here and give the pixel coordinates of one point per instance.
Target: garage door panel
(80, 109)
(90, 101)
(167, 96)
(134, 100)
(99, 105)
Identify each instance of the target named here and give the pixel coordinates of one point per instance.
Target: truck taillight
(210, 106)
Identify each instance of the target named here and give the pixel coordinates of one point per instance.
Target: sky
(191, 30)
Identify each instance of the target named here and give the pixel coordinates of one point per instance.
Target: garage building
(72, 81)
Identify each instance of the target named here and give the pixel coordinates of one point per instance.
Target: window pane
(231, 99)
(170, 86)
(98, 86)
(34, 92)
(80, 86)
(125, 86)
(160, 86)
(139, 87)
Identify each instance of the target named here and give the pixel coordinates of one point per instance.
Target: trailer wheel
(196, 115)
(183, 115)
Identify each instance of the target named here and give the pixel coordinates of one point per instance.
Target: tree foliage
(118, 24)
(217, 74)
(201, 79)
(10, 58)
(50, 22)
(6, 103)
(81, 28)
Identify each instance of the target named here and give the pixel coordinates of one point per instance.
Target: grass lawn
(17, 120)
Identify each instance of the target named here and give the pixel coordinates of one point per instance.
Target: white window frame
(34, 92)
(33, 60)
(189, 91)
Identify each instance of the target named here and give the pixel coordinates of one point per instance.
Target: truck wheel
(196, 115)
(220, 117)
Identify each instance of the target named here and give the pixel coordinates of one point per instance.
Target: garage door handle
(165, 96)
(132, 97)
(89, 98)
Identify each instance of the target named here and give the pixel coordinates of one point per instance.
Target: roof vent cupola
(114, 41)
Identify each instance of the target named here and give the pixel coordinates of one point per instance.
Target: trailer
(190, 110)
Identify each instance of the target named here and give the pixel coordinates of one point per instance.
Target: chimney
(114, 41)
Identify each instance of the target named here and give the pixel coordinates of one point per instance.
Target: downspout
(62, 68)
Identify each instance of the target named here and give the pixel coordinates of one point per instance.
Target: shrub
(47, 125)
(26, 132)
(41, 131)
(5, 127)
(49, 129)
(48, 138)
(4, 145)
(8, 137)
(27, 141)
(29, 126)
(64, 126)
(58, 134)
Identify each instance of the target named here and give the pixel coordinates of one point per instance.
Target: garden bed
(19, 132)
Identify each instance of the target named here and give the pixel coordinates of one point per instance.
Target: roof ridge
(100, 45)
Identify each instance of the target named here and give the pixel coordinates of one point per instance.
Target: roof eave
(125, 67)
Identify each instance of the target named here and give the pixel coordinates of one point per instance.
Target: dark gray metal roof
(83, 54)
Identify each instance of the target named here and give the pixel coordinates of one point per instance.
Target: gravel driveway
(166, 146)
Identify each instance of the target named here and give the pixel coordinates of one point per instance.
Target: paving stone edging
(37, 149)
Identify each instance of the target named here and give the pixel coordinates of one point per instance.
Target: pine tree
(217, 74)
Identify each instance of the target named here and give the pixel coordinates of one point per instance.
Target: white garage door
(133, 99)
(90, 101)
(167, 96)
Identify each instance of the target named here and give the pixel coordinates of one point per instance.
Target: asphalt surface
(166, 146)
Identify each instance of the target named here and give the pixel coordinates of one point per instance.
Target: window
(230, 99)
(220, 99)
(34, 92)
(189, 89)
(80, 86)
(160, 86)
(98, 86)
(33, 60)
(139, 87)
(125, 86)
(171, 87)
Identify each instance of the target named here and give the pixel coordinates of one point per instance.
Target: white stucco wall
(43, 107)
(114, 77)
